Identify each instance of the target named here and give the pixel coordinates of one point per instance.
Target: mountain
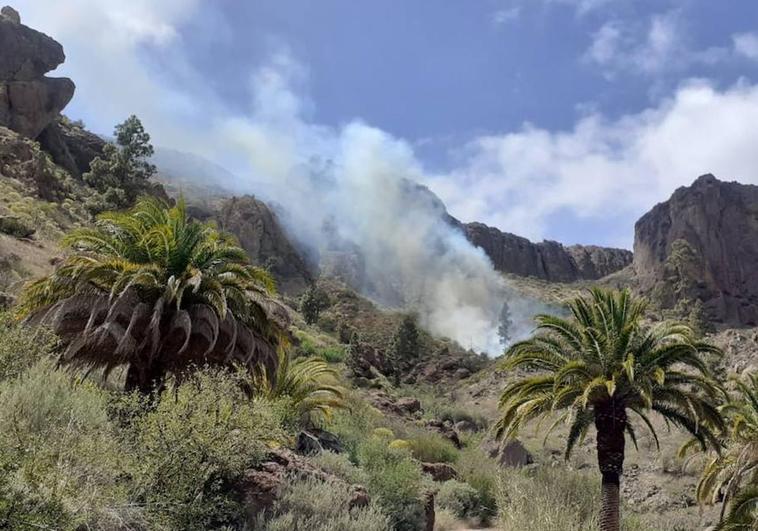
(703, 244)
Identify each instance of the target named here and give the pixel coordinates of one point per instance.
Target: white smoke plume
(356, 186)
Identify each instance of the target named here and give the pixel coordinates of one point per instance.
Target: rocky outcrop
(22, 160)
(703, 244)
(70, 145)
(29, 101)
(547, 260)
(261, 234)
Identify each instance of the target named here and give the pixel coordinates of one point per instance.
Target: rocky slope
(703, 244)
(547, 260)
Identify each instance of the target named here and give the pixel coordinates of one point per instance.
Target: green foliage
(697, 319)
(341, 466)
(431, 447)
(166, 273)
(21, 347)
(322, 506)
(459, 498)
(307, 383)
(312, 302)
(353, 423)
(404, 349)
(201, 436)
(397, 482)
(730, 476)
(122, 172)
(480, 472)
(13, 226)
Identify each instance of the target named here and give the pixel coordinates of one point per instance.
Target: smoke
(351, 197)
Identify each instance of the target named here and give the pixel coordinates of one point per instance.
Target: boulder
(439, 471)
(703, 244)
(261, 486)
(70, 145)
(29, 101)
(511, 453)
(446, 429)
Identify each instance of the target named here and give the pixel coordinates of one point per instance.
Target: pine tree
(405, 346)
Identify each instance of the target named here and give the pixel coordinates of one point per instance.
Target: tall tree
(123, 170)
(159, 293)
(600, 366)
(405, 346)
(312, 302)
(504, 325)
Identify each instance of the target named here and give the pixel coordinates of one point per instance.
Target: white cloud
(606, 169)
(746, 45)
(503, 16)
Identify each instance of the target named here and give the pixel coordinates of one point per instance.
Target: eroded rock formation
(703, 244)
(547, 260)
(29, 100)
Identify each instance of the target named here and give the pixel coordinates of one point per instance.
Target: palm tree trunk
(610, 421)
(146, 380)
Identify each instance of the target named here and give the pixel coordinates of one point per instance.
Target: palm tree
(306, 382)
(159, 293)
(725, 476)
(602, 364)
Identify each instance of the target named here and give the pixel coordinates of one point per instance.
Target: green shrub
(480, 472)
(459, 498)
(353, 424)
(341, 466)
(334, 354)
(433, 448)
(397, 482)
(198, 439)
(13, 226)
(21, 346)
(322, 506)
(61, 456)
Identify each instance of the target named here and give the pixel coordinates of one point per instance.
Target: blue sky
(559, 119)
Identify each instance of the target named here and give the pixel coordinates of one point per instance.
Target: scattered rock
(409, 405)
(404, 407)
(439, 471)
(446, 429)
(21, 159)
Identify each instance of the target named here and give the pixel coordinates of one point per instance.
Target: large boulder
(29, 101)
(703, 244)
(261, 234)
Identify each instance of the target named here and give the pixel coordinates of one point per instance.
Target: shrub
(21, 347)
(433, 448)
(334, 354)
(481, 473)
(400, 444)
(383, 433)
(397, 482)
(322, 506)
(60, 456)
(353, 423)
(340, 466)
(459, 498)
(445, 520)
(198, 439)
(13, 226)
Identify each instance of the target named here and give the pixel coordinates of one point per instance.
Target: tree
(698, 318)
(123, 171)
(405, 346)
(732, 476)
(312, 302)
(599, 366)
(682, 267)
(159, 293)
(504, 324)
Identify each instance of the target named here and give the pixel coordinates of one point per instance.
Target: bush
(60, 456)
(21, 346)
(459, 498)
(13, 226)
(199, 438)
(397, 482)
(340, 466)
(322, 506)
(352, 425)
(431, 447)
(333, 354)
(481, 473)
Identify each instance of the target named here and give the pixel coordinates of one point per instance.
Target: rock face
(717, 224)
(71, 146)
(547, 260)
(29, 101)
(260, 233)
(21, 159)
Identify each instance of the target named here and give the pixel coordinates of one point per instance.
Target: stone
(409, 405)
(307, 444)
(262, 235)
(512, 454)
(22, 160)
(29, 101)
(446, 430)
(439, 471)
(314, 441)
(466, 425)
(71, 146)
(718, 222)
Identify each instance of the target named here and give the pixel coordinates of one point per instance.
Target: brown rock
(409, 405)
(439, 471)
(511, 454)
(262, 235)
(719, 223)
(71, 146)
(21, 159)
(447, 430)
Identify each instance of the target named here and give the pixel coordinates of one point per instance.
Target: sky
(555, 119)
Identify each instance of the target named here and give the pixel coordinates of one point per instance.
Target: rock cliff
(29, 100)
(703, 243)
(547, 260)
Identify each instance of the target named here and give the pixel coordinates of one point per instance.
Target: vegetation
(312, 303)
(732, 476)
(404, 349)
(599, 366)
(122, 173)
(168, 279)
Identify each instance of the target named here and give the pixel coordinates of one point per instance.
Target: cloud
(659, 46)
(605, 171)
(746, 45)
(503, 16)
